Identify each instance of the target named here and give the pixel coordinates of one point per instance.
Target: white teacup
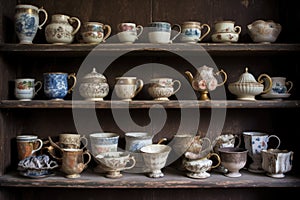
(162, 88)
(25, 88)
(191, 32)
(128, 87)
(160, 32)
(279, 85)
(227, 27)
(129, 32)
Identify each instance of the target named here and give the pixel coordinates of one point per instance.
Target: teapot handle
(260, 80)
(225, 76)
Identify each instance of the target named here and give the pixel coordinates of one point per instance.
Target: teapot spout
(190, 76)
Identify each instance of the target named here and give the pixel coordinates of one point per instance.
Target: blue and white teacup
(191, 32)
(160, 32)
(56, 85)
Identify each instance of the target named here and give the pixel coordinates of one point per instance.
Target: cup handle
(207, 31)
(85, 141)
(72, 20)
(39, 88)
(179, 85)
(89, 157)
(108, 32)
(140, 85)
(239, 139)
(179, 32)
(218, 158)
(46, 17)
(274, 136)
(131, 158)
(289, 83)
(74, 83)
(260, 80)
(39, 147)
(141, 29)
(238, 29)
(225, 77)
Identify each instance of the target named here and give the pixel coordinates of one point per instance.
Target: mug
(191, 32)
(93, 32)
(227, 27)
(71, 141)
(128, 87)
(129, 32)
(160, 32)
(73, 162)
(162, 88)
(279, 85)
(25, 88)
(28, 145)
(56, 84)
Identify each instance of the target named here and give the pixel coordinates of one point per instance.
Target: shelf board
(172, 179)
(136, 104)
(106, 48)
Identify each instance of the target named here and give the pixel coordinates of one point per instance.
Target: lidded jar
(246, 88)
(94, 86)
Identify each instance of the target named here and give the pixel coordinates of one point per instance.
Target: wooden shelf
(145, 48)
(15, 104)
(172, 179)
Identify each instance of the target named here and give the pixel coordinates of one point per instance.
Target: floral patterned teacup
(94, 32)
(25, 88)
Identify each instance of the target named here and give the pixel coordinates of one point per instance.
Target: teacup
(136, 140)
(129, 32)
(56, 85)
(25, 88)
(127, 88)
(199, 148)
(73, 162)
(233, 159)
(28, 145)
(94, 32)
(191, 32)
(227, 27)
(115, 162)
(72, 141)
(160, 32)
(162, 88)
(103, 142)
(279, 85)
(198, 168)
(226, 140)
(155, 157)
(255, 142)
(277, 162)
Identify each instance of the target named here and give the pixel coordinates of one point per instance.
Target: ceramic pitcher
(60, 30)
(27, 22)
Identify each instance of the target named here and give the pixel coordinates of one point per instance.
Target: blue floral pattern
(26, 24)
(56, 85)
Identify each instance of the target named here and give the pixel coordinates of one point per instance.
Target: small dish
(275, 96)
(225, 37)
(37, 174)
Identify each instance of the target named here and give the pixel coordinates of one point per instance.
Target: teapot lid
(246, 77)
(94, 76)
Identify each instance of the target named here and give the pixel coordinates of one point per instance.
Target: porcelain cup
(103, 142)
(191, 32)
(162, 88)
(227, 27)
(95, 32)
(28, 145)
(279, 85)
(25, 88)
(255, 142)
(72, 141)
(56, 85)
(160, 32)
(127, 88)
(73, 162)
(129, 32)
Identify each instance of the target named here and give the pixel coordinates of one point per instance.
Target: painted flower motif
(212, 84)
(202, 84)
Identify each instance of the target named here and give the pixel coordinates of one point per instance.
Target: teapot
(94, 86)
(246, 88)
(264, 31)
(205, 80)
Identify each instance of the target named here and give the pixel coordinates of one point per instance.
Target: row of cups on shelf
(62, 30)
(141, 155)
(94, 86)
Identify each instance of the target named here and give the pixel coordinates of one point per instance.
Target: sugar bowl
(94, 86)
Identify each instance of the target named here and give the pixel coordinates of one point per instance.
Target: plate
(275, 96)
(31, 175)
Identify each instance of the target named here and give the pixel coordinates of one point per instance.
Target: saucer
(37, 175)
(275, 96)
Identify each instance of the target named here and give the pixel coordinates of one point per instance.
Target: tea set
(63, 28)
